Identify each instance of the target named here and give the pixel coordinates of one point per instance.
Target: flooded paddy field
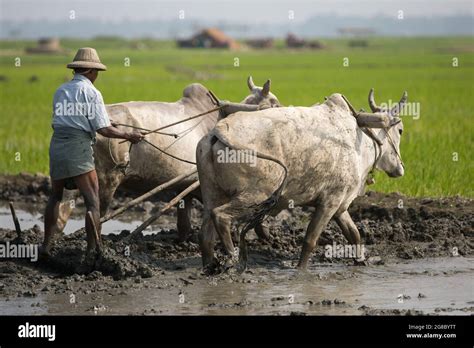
(419, 260)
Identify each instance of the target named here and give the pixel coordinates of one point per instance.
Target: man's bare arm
(113, 132)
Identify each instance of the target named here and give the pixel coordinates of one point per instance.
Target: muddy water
(446, 286)
(32, 214)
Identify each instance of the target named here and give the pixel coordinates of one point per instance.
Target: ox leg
(319, 221)
(215, 221)
(223, 223)
(350, 231)
(348, 227)
(207, 237)
(184, 219)
(262, 232)
(105, 198)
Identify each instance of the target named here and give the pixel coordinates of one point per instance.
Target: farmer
(78, 113)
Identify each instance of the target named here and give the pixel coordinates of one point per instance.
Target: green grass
(159, 71)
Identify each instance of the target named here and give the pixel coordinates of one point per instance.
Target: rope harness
(120, 166)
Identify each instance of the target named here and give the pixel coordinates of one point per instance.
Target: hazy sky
(271, 11)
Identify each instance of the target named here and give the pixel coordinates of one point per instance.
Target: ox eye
(400, 131)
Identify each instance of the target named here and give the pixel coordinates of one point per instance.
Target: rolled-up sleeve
(98, 114)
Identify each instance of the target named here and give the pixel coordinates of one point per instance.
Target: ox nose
(400, 171)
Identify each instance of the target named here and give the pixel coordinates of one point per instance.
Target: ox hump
(337, 101)
(195, 91)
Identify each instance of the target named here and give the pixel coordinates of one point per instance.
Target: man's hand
(135, 137)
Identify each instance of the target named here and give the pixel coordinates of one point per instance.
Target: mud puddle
(428, 286)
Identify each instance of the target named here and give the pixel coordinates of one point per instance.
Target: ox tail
(260, 210)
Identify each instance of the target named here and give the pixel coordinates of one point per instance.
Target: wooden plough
(147, 195)
(154, 217)
(142, 198)
(15, 220)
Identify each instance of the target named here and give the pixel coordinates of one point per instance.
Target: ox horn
(380, 118)
(250, 83)
(266, 88)
(372, 104)
(394, 111)
(397, 108)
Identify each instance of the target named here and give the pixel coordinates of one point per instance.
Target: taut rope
(123, 167)
(178, 122)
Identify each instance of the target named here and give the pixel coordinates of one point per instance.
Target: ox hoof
(229, 262)
(212, 268)
(241, 267)
(225, 264)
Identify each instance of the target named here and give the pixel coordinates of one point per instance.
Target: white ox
(144, 167)
(315, 156)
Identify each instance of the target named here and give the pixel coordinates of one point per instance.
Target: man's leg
(52, 213)
(88, 185)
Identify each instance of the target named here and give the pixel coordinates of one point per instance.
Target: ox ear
(250, 83)
(375, 120)
(266, 88)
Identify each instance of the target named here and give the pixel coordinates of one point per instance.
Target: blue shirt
(78, 104)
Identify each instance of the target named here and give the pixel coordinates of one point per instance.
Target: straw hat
(88, 58)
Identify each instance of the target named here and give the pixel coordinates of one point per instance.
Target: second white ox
(319, 156)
